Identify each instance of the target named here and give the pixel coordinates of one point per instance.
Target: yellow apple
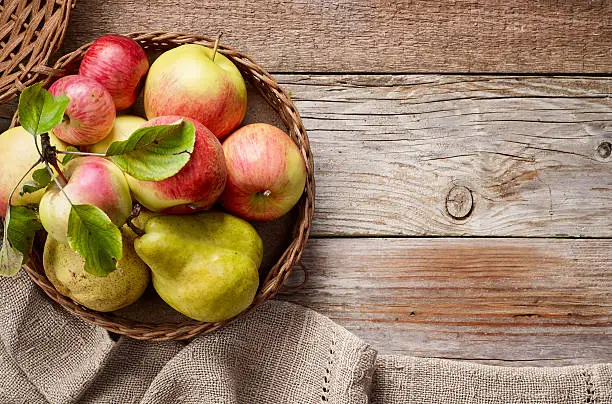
(123, 127)
(17, 154)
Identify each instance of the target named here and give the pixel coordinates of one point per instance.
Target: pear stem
(135, 213)
(216, 46)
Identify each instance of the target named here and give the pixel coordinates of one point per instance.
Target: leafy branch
(152, 153)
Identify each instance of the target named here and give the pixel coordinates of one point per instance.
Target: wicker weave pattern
(280, 101)
(30, 31)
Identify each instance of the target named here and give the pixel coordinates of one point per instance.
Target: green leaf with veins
(20, 226)
(155, 153)
(40, 179)
(92, 234)
(68, 157)
(39, 111)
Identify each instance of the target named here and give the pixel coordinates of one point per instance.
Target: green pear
(204, 265)
(122, 287)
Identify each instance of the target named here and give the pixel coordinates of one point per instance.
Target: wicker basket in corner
(282, 104)
(30, 31)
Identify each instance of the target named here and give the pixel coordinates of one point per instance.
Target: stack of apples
(196, 242)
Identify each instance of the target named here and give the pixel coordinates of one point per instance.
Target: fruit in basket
(196, 186)
(17, 154)
(91, 180)
(90, 114)
(266, 173)
(186, 81)
(204, 266)
(118, 63)
(65, 270)
(123, 127)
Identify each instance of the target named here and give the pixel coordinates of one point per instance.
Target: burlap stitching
(590, 388)
(330, 362)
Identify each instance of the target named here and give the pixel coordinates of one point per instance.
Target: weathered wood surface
(500, 301)
(389, 150)
(378, 36)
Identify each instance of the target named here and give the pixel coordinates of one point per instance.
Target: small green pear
(204, 265)
(122, 287)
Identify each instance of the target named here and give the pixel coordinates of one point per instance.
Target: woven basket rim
(31, 37)
(279, 100)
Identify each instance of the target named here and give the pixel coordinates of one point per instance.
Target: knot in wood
(459, 202)
(604, 150)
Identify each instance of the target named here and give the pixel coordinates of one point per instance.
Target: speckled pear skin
(122, 287)
(205, 266)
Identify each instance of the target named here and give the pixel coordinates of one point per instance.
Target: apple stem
(267, 193)
(216, 46)
(59, 172)
(135, 213)
(60, 186)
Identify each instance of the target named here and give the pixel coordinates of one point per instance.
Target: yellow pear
(122, 287)
(204, 265)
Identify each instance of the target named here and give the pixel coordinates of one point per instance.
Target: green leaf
(68, 157)
(95, 238)
(155, 153)
(10, 260)
(39, 112)
(40, 179)
(20, 226)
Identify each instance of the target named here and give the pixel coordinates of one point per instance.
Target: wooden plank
(405, 154)
(383, 36)
(500, 301)
(455, 155)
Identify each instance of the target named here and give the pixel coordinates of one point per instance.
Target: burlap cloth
(282, 353)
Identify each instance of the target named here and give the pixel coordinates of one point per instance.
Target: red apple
(266, 172)
(199, 183)
(90, 113)
(118, 63)
(91, 180)
(186, 81)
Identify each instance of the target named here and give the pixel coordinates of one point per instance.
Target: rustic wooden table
(463, 163)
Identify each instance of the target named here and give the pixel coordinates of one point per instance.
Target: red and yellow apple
(90, 114)
(91, 180)
(118, 63)
(17, 154)
(123, 127)
(196, 186)
(266, 173)
(186, 81)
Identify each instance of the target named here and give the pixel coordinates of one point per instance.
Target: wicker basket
(282, 104)
(30, 31)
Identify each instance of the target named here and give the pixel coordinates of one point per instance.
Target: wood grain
(501, 301)
(500, 36)
(389, 150)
